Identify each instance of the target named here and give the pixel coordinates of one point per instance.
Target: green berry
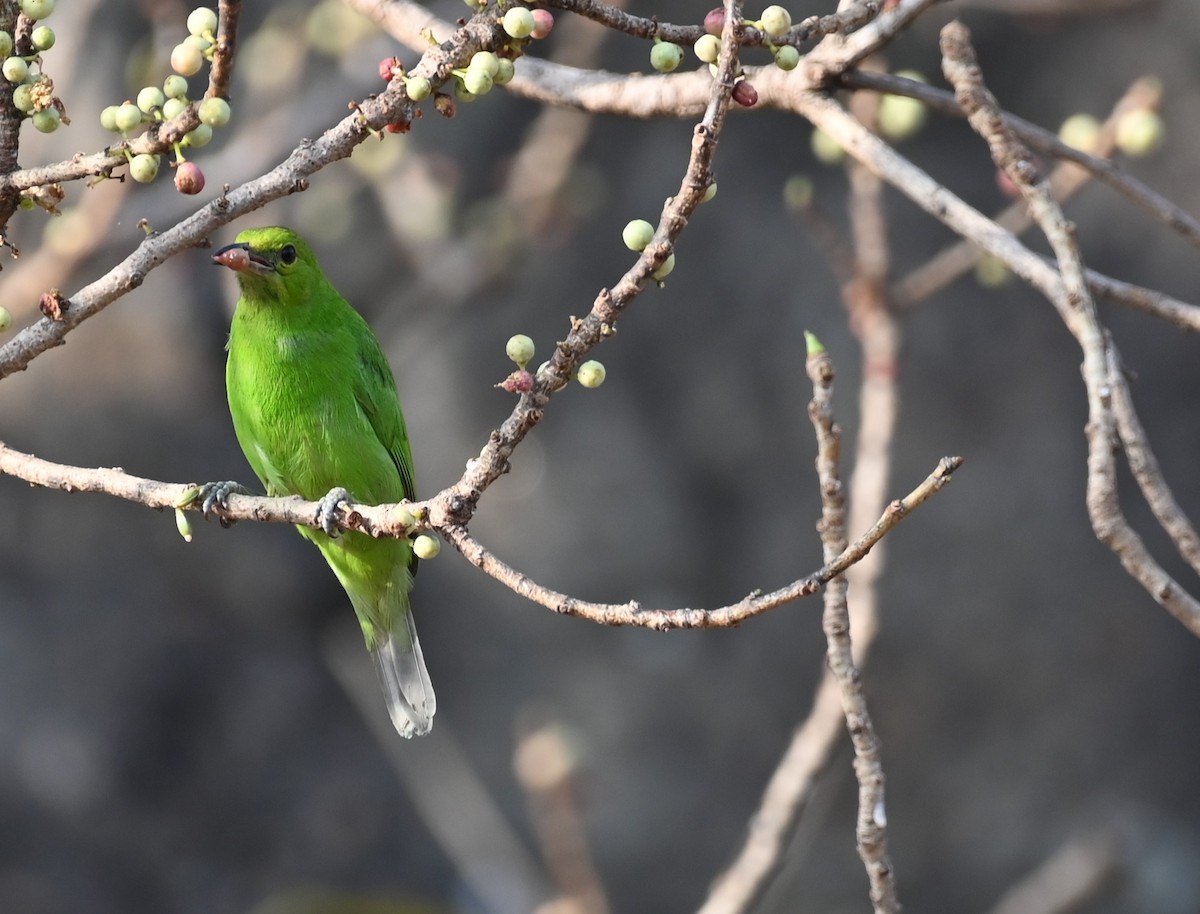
(1082, 131)
(709, 192)
(637, 234)
(418, 88)
(173, 107)
(707, 48)
(37, 9)
(46, 120)
(478, 81)
(486, 61)
(426, 546)
(5, 319)
(520, 349)
(900, 116)
(150, 98)
(186, 60)
(128, 117)
(665, 270)
(826, 148)
(201, 21)
(199, 137)
(108, 118)
(175, 86)
(518, 22)
(15, 69)
(505, 72)
(42, 38)
(665, 56)
(776, 21)
(215, 112)
(787, 57)
(6, 44)
(23, 97)
(143, 168)
(591, 374)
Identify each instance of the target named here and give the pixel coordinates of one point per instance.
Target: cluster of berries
(520, 349)
(33, 92)
(154, 105)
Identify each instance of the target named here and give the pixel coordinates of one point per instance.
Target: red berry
(519, 382)
(745, 94)
(387, 68)
(714, 22)
(189, 179)
(543, 23)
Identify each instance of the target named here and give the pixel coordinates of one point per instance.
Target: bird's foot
(329, 509)
(214, 499)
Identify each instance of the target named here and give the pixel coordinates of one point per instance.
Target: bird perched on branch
(316, 412)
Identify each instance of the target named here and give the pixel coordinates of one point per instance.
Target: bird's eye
(287, 256)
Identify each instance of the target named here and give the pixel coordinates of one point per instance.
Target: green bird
(316, 412)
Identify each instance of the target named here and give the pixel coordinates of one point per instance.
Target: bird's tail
(405, 680)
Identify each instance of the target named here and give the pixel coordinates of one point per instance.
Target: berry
(665, 270)
(199, 137)
(175, 86)
(418, 87)
(214, 111)
(108, 118)
(637, 234)
(173, 107)
(591, 374)
(520, 349)
(826, 148)
(189, 179)
(708, 48)
(543, 23)
(42, 38)
(519, 382)
(128, 117)
(6, 44)
(709, 192)
(504, 72)
(745, 94)
(900, 117)
(485, 61)
(46, 120)
(143, 168)
(776, 21)
(787, 57)
(5, 319)
(478, 81)
(388, 68)
(798, 192)
(518, 22)
(426, 546)
(665, 56)
(37, 9)
(23, 97)
(15, 69)
(186, 60)
(1081, 131)
(714, 21)
(202, 21)
(150, 98)
(1139, 132)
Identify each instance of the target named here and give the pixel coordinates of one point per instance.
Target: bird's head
(271, 260)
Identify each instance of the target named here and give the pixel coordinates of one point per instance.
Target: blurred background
(193, 728)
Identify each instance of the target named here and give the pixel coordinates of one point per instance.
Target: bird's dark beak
(241, 257)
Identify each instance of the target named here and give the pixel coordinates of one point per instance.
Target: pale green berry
(108, 118)
(1081, 131)
(418, 88)
(1139, 132)
(201, 21)
(900, 117)
(707, 48)
(43, 38)
(519, 348)
(776, 21)
(37, 9)
(665, 56)
(426, 546)
(826, 148)
(143, 168)
(46, 120)
(183, 525)
(128, 117)
(591, 374)
(6, 44)
(518, 22)
(787, 57)
(175, 86)
(462, 93)
(15, 69)
(186, 60)
(199, 137)
(991, 272)
(215, 112)
(173, 107)
(486, 61)
(665, 270)
(23, 97)
(149, 98)
(709, 192)
(505, 72)
(637, 234)
(478, 81)
(5, 319)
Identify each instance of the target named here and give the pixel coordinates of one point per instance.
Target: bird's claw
(214, 499)
(329, 508)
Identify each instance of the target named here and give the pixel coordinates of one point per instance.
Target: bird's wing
(375, 391)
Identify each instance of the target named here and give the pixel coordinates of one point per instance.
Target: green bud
(183, 525)
(43, 38)
(637, 234)
(591, 374)
(426, 546)
(709, 192)
(518, 22)
(215, 112)
(520, 349)
(812, 345)
(665, 56)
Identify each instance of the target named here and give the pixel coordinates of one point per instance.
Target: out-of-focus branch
(1068, 879)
